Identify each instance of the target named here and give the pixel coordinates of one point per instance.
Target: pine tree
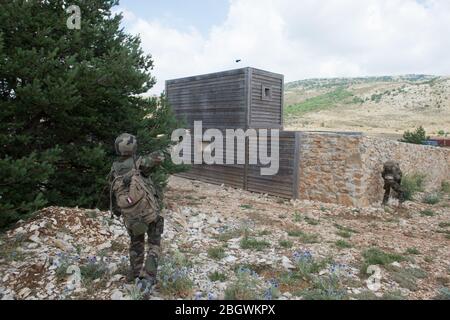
(419, 136)
(64, 97)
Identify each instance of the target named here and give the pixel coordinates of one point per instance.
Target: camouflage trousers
(142, 266)
(396, 186)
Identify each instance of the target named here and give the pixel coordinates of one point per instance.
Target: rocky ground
(225, 243)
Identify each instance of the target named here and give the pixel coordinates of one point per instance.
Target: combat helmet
(126, 144)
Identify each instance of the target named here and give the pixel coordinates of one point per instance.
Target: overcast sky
(298, 38)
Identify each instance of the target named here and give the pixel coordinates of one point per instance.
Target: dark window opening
(266, 93)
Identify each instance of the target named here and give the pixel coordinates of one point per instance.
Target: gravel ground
(225, 243)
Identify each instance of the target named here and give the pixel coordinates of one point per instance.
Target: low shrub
(412, 184)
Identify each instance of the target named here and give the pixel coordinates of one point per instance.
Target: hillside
(374, 105)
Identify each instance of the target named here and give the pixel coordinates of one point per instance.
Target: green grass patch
(407, 278)
(445, 187)
(312, 222)
(304, 237)
(306, 267)
(286, 244)
(245, 287)
(344, 228)
(321, 102)
(444, 225)
(297, 217)
(174, 275)
(443, 294)
(432, 198)
(375, 256)
(342, 244)
(369, 295)
(246, 206)
(325, 288)
(230, 234)
(412, 184)
(264, 233)
(217, 276)
(216, 253)
(427, 213)
(344, 234)
(93, 270)
(254, 244)
(413, 251)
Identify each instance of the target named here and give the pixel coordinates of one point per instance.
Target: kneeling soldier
(392, 176)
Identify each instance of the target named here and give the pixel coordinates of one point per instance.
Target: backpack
(135, 199)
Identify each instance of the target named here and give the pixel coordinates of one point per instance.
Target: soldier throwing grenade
(392, 176)
(133, 196)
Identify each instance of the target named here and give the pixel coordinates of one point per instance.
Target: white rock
(396, 264)
(323, 272)
(33, 245)
(402, 223)
(25, 292)
(50, 286)
(117, 295)
(286, 263)
(213, 220)
(197, 225)
(230, 259)
(34, 228)
(35, 238)
(105, 245)
(63, 245)
(19, 230)
(9, 296)
(112, 267)
(104, 232)
(117, 277)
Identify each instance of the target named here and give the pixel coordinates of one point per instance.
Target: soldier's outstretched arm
(148, 162)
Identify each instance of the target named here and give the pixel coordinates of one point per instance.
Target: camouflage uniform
(392, 176)
(150, 221)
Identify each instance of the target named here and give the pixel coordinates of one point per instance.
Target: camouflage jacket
(146, 164)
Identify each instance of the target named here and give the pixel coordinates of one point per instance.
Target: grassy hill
(375, 105)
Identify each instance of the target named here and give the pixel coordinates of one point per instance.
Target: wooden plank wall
(266, 113)
(218, 99)
(284, 183)
(230, 175)
(248, 177)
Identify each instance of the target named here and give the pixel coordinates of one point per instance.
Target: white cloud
(307, 38)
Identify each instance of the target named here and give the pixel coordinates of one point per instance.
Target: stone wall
(430, 161)
(346, 169)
